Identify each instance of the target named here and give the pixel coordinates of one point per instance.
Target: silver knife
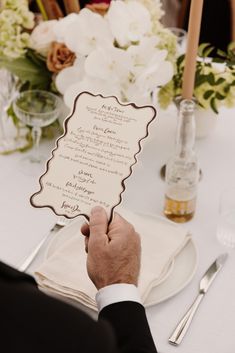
(205, 283)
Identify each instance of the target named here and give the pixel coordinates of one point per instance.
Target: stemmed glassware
(181, 36)
(36, 109)
(9, 141)
(226, 218)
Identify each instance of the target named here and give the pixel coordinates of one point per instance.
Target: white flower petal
(138, 53)
(108, 63)
(91, 85)
(69, 76)
(87, 32)
(63, 25)
(128, 21)
(42, 36)
(137, 95)
(155, 76)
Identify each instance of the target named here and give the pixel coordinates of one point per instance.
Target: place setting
(91, 120)
(74, 182)
(166, 249)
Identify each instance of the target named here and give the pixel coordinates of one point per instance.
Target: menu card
(94, 156)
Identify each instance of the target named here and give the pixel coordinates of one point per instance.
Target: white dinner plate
(177, 276)
(183, 270)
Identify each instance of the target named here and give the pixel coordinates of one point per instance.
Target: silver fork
(60, 223)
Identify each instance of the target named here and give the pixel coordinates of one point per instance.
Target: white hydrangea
(129, 21)
(14, 18)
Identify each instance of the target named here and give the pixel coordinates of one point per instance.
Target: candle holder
(182, 171)
(162, 172)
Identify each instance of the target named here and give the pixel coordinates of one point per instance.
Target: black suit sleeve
(32, 321)
(130, 325)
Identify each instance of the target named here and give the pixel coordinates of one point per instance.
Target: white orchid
(86, 32)
(138, 53)
(128, 21)
(95, 86)
(118, 54)
(137, 95)
(70, 75)
(63, 25)
(108, 63)
(156, 73)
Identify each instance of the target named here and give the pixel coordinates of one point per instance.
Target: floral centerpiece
(124, 51)
(16, 24)
(119, 49)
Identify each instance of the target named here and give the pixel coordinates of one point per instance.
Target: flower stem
(42, 10)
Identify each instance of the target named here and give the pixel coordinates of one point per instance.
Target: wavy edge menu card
(94, 156)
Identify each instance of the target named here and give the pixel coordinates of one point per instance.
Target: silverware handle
(182, 327)
(29, 259)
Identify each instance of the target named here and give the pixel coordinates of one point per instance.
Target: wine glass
(9, 141)
(181, 36)
(226, 218)
(37, 109)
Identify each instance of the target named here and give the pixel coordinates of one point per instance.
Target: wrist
(115, 293)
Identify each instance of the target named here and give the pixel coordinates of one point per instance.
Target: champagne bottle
(182, 171)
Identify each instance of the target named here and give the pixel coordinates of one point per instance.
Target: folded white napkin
(64, 269)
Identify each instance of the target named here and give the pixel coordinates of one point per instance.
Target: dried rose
(100, 8)
(59, 57)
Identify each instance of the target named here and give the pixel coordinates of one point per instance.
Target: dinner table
(212, 329)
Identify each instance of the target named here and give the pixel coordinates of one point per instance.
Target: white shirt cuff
(115, 293)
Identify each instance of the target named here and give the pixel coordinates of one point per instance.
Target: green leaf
(219, 96)
(27, 70)
(220, 81)
(226, 89)
(180, 59)
(221, 53)
(213, 106)
(218, 60)
(12, 115)
(205, 49)
(200, 79)
(211, 79)
(208, 94)
(231, 46)
(36, 58)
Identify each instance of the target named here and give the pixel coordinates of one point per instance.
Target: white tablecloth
(212, 330)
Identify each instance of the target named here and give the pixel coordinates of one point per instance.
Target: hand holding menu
(94, 156)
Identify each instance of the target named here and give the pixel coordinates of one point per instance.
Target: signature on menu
(68, 207)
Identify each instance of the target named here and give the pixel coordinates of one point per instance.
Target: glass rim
(57, 99)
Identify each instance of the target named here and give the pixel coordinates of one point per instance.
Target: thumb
(98, 223)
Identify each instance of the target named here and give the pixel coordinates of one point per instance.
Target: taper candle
(233, 20)
(71, 6)
(52, 9)
(194, 27)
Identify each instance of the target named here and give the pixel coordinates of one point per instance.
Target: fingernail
(96, 209)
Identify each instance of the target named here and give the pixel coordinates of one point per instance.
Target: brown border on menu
(64, 134)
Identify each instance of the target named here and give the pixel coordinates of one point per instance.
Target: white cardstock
(94, 156)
